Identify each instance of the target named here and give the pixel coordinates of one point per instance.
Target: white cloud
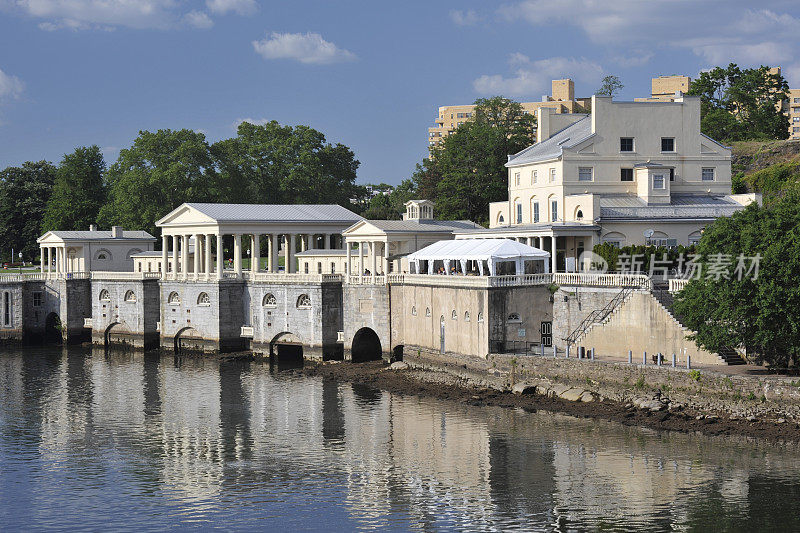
(198, 19)
(636, 58)
(91, 14)
(11, 87)
(308, 48)
(532, 78)
(255, 121)
(767, 53)
(792, 74)
(242, 7)
(464, 18)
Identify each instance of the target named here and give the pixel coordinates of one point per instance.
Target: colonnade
(176, 263)
(368, 254)
(53, 253)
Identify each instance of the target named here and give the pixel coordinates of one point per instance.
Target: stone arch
(304, 301)
(117, 333)
(188, 339)
(130, 297)
(203, 299)
(286, 349)
(53, 332)
(103, 255)
(104, 296)
(269, 300)
(366, 346)
(615, 236)
(174, 298)
(131, 253)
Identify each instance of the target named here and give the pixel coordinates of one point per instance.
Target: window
(795, 119)
(585, 174)
(130, 297)
(796, 109)
(534, 176)
(454, 315)
(535, 212)
(500, 219)
(516, 179)
(519, 213)
(466, 316)
(797, 100)
(554, 210)
(37, 299)
(668, 243)
(413, 310)
(667, 144)
(305, 267)
(514, 317)
(626, 174)
(626, 144)
(795, 130)
(427, 311)
(203, 299)
(174, 298)
(708, 174)
(333, 268)
(104, 296)
(658, 181)
(480, 316)
(304, 302)
(552, 175)
(319, 267)
(7, 309)
(579, 215)
(672, 174)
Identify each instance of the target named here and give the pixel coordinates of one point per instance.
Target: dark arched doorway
(286, 351)
(188, 340)
(53, 329)
(366, 346)
(117, 334)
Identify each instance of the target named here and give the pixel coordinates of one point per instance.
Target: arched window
(132, 252)
(174, 298)
(413, 310)
(579, 215)
(500, 219)
(104, 296)
(304, 302)
(466, 316)
(269, 300)
(480, 316)
(204, 299)
(454, 315)
(103, 255)
(130, 296)
(427, 311)
(514, 317)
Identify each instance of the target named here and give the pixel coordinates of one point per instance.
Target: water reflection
(129, 441)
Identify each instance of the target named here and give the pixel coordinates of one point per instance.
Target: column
(174, 255)
(59, 261)
(553, 254)
(273, 253)
(374, 252)
(361, 269)
(41, 259)
(49, 258)
(303, 242)
(184, 255)
(349, 267)
(220, 256)
(207, 250)
(326, 241)
(164, 255)
(255, 255)
(290, 262)
(237, 254)
(197, 252)
(385, 266)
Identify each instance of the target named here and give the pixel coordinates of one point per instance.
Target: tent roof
(479, 250)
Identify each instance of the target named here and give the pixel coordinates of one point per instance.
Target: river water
(127, 441)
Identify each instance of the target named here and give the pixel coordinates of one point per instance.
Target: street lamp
(20, 262)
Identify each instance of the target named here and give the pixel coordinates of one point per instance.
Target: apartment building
(664, 88)
(562, 100)
(793, 109)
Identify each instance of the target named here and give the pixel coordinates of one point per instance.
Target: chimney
(92, 227)
(116, 232)
(543, 124)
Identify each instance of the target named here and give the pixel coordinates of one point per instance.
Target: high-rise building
(794, 114)
(562, 100)
(665, 88)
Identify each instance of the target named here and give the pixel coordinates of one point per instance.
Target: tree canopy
(466, 171)
(761, 313)
(742, 104)
(609, 86)
(24, 192)
(391, 206)
(78, 191)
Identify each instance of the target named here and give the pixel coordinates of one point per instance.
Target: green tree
(78, 191)
(24, 192)
(271, 163)
(609, 86)
(761, 314)
(742, 104)
(466, 171)
(159, 172)
(391, 206)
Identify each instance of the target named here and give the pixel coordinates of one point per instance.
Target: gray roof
(516, 228)
(681, 207)
(101, 235)
(423, 226)
(320, 251)
(152, 253)
(277, 212)
(552, 147)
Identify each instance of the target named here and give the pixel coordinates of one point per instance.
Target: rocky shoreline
(655, 410)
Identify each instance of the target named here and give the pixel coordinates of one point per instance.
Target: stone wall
(367, 306)
(12, 329)
(571, 305)
(117, 321)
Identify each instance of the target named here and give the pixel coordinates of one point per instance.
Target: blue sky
(368, 74)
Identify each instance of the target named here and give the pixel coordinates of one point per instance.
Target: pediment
(184, 215)
(362, 227)
(707, 149)
(587, 149)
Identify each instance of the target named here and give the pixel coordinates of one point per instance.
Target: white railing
(522, 280)
(42, 276)
(677, 285)
(603, 280)
(367, 280)
(247, 331)
(277, 277)
(125, 276)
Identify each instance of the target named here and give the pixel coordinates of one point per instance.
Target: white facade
(66, 252)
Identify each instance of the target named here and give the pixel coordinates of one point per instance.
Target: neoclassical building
(628, 173)
(66, 252)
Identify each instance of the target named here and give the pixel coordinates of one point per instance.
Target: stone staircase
(599, 316)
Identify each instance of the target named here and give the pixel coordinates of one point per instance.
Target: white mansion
(628, 173)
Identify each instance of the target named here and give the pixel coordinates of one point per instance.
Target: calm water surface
(122, 441)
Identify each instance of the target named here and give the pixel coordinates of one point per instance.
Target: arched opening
(53, 329)
(397, 353)
(117, 334)
(366, 346)
(188, 340)
(286, 351)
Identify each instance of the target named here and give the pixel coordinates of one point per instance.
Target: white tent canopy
(490, 252)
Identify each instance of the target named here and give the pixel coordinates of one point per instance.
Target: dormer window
(658, 181)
